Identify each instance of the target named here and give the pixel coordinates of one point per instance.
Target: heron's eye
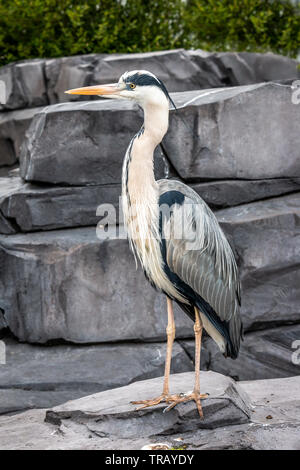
(132, 86)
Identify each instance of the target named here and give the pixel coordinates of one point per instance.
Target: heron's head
(138, 85)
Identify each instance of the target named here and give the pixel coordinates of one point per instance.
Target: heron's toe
(183, 398)
(153, 402)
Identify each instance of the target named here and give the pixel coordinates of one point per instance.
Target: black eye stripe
(143, 79)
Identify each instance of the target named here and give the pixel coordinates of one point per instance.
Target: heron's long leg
(195, 395)
(170, 339)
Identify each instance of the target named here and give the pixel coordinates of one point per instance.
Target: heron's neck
(140, 178)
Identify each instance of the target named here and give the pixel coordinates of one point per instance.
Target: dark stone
(212, 136)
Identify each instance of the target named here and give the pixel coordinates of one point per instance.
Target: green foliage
(248, 25)
(53, 28)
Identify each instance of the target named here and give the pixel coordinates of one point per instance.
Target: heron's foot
(183, 398)
(155, 401)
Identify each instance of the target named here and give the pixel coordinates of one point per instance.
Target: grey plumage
(203, 258)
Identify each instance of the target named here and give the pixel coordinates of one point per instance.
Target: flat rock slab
(26, 207)
(110, 414)
(227, 133)
(227, 193)
(44, 376)
(266, 354)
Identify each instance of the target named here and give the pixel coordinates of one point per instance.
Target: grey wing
(197, 251)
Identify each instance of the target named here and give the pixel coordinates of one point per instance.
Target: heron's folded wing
(198, 252)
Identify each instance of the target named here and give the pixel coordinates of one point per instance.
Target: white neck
(140, 181)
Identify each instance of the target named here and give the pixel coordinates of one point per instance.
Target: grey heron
(196, 269)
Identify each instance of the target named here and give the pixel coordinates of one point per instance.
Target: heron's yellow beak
(111, 89)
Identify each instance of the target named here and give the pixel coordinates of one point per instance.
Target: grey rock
(28, 207)
(226, 193)
(84, 277)
(42, 81)
(265, 237)
(25, 84)
(72, 285)
(264, 354)
(69, 72)
(45, 376)
(82, 143)
(110, 413)
(247, 132)
(269, 66)
(13, 125)
(245, 68)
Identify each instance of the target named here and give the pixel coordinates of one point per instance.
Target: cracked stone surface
(273, 424)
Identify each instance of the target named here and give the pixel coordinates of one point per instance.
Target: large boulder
(13, 126)
(82, 143)
(247, 132)
(70, 284)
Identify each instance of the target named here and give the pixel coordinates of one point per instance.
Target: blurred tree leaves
(53, 28)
